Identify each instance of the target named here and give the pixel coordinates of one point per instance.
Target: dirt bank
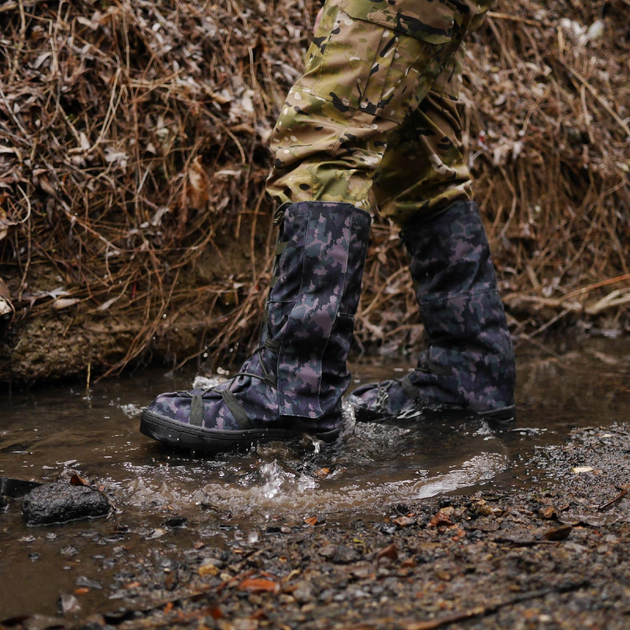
(71, 342)
(133, 154)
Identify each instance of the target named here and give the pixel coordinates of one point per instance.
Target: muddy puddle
(167, 501)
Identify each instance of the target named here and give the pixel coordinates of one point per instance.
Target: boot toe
(176, 408)
(172, 406)
(366, 403)
(168, 420)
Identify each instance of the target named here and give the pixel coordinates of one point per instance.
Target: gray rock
(303, 593)
(345, 555)
(61, 502)
(328, 551)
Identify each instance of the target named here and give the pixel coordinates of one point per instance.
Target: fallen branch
(612, 502)
(541, 302)
(12, 6)
(513, 18)
(599, 99)
(490, 609)
(596, 285)
(524, 542)
(613, 300)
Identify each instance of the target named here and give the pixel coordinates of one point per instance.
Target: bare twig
(621, 495)
(492, 608)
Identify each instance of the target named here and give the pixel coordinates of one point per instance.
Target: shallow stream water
(45, 433)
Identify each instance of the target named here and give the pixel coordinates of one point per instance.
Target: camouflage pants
(378, 108)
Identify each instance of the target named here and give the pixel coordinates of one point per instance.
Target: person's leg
(297, 375)
(367, 69)
(424, 169)
(361, 81)
(424, 186)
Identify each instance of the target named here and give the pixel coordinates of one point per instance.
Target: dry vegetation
(133, 219)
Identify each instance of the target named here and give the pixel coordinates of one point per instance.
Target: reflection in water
(47, 431)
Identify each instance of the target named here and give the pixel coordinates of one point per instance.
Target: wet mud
(447, 524)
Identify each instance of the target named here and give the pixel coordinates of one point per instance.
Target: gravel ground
(552, 555)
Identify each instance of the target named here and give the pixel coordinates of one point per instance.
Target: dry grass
(133, 150)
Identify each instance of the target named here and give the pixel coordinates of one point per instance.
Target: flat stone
(88, 583)
(61, 502)
(345, 555)
(328, 551)
(303, 593)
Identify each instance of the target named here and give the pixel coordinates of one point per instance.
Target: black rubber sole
(212, 441)
(499, 416)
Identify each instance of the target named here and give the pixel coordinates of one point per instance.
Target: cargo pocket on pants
(423, 39)
(428, 20)
(350, 66)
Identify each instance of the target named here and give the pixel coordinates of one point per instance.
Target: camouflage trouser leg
(424, 167)
(378, 103)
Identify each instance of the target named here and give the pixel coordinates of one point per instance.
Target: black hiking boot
(469, 365)
(295, 379)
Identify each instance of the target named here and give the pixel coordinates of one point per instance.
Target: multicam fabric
(434, 21)
(378, 106)
(470, 360)
(305, 343)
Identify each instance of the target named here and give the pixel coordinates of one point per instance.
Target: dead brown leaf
(77, 480)
(390, 552)
(558, 533)
(259, 585)
(404, 521)
(195, 194)
(549, 513)
(208, 569)
(443, 517)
